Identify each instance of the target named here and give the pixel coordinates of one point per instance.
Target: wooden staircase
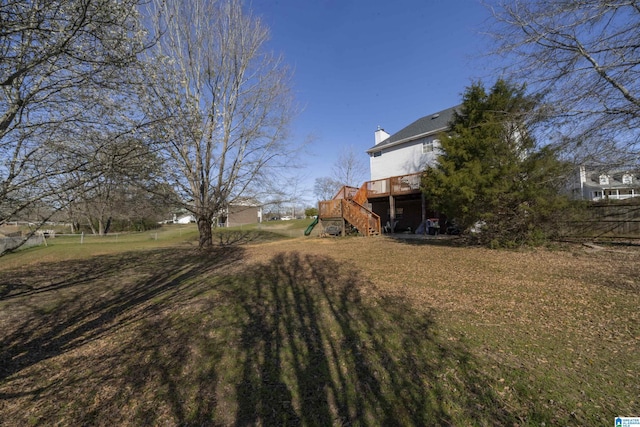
(348, 206)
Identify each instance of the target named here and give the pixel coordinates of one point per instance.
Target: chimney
(381, 135)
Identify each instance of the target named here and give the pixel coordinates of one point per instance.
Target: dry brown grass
(323, 331)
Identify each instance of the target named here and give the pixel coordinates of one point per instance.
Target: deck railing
(394, 186)
(348, 203)
(616, 197)
(346, 192)
(366, 221)
(330, 208)
(361, 195)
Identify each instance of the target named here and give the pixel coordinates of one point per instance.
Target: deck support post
(392, 213)
(423, 199)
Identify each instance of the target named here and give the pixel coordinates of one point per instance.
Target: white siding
(402, 159)
(186, 219)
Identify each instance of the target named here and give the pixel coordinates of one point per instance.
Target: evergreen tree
(491, 171)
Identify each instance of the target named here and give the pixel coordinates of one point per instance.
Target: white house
(240, 212)
(184, 218)
(596, 183)
(392, 200)
(409, 150)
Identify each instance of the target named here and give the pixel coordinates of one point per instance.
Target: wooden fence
(606, 221)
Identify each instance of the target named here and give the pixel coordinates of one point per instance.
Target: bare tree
(583, 55)
(349, 168)
(226, 103)
(127, 172)
(60, 71)
(326, 187)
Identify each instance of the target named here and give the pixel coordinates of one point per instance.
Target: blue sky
(360, 64)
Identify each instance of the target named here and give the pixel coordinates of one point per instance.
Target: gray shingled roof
(426, 125)
(615, 178)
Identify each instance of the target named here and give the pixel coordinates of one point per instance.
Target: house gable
(411, 149)
(425, 126)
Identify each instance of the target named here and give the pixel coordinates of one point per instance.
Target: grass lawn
(266, 330)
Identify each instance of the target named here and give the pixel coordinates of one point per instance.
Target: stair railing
(366, 221)
(361, 195)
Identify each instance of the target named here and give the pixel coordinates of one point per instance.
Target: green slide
(310, 227)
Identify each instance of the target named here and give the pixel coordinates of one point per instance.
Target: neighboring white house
(183, 219)
(594, 183)
(409, 150)
(240, 212)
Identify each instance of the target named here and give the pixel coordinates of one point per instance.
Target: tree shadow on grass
(62, 306)
(320, 346)
(170, 338)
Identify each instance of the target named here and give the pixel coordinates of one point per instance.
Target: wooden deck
(394, 186)
(349, 202)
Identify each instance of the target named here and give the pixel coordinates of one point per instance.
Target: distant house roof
(615, 177)
(246, 202)
(427, 125)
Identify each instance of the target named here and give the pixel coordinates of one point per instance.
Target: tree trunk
(92, 226)
(204, 228)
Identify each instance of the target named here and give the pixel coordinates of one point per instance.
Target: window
(430, 146)
(604, 179)
(627, 179)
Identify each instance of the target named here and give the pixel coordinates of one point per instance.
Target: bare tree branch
(62, 79)
(349, 168)
(584, 55)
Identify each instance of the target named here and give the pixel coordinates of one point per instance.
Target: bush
(128, 225)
